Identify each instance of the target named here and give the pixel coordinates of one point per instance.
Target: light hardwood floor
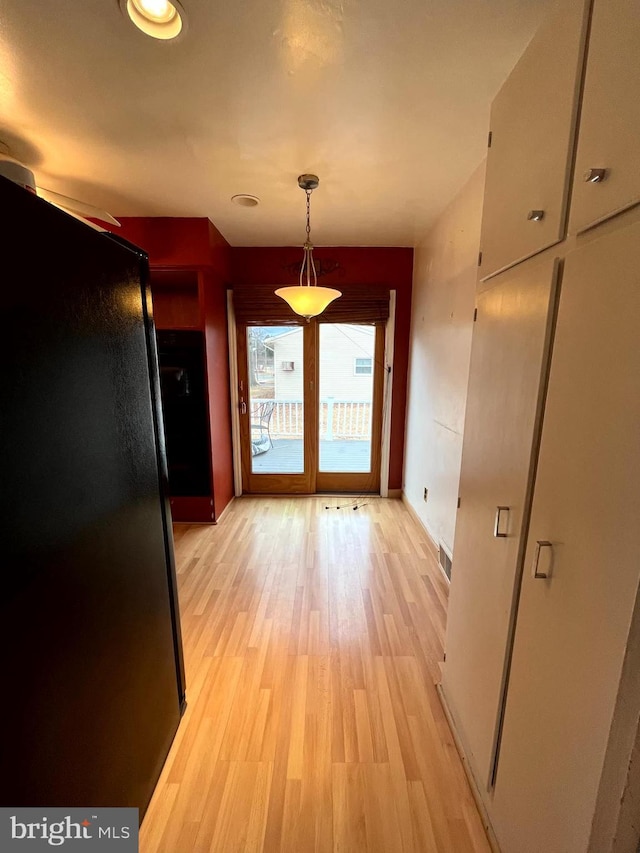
(312, 641)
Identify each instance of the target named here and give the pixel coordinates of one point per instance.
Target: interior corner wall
(443, 300)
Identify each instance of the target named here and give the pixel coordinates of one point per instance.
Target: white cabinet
(532, 136)
(609, 132)
(508, 366)
(541, 672)
(573, 627)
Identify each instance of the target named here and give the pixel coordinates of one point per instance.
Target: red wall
(388, 266)
(217, 341)
(195, 243)
(171, 241)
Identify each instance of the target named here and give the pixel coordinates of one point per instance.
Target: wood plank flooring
(312, 641)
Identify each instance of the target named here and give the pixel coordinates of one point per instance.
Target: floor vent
(445, 560)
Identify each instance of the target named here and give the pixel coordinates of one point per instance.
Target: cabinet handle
(595, 176)
(500, 529)
(543, 552)
(535, 215)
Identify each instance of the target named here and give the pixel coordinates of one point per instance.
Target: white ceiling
(386, 100)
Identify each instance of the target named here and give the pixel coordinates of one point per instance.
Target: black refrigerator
(91, 657)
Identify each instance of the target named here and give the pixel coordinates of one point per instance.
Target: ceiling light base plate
(308, 182)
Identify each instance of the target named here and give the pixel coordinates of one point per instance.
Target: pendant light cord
(307, 260)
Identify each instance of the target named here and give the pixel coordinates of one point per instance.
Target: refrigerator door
(161, 449)
(88, 639)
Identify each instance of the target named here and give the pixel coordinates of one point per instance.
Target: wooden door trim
(311, 481)
(310, 418)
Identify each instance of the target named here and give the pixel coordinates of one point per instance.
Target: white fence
(340, 419)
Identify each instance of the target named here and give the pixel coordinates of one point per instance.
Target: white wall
(444, 280)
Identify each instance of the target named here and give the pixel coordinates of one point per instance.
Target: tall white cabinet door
(610, 119)
(508, 358)
(572, 627)
(532, 132)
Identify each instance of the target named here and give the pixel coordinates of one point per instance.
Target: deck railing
(339, 419)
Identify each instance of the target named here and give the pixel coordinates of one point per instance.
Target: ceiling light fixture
(308, 300)
(159, 19)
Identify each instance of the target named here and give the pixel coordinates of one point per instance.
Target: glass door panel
(347, 357)
(276, 399)
(276, 367)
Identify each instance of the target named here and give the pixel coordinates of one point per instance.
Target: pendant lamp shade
(308, 300)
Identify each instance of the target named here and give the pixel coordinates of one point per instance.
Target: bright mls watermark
(71, 830)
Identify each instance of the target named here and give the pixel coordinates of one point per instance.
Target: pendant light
(307, 299)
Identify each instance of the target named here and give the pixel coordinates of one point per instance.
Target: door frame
(269, 484)
(311, 481)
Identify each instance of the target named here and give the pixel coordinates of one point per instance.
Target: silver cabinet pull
(502, 522)
(535, 215)
(542, 559)
(595, 176)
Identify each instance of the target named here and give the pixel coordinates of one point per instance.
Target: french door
(310, 401)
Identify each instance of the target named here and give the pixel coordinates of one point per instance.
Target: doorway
(310, 407)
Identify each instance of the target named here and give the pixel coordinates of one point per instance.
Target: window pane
(346, 396)
(363, 366)
(276, 374)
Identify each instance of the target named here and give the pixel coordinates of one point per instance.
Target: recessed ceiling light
(245, 200)
(159, 19)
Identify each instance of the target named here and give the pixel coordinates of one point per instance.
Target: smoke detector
(245, 200)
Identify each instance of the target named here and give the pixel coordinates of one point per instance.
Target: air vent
(445, 560)
(287, 365)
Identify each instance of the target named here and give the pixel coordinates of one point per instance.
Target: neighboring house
(346, 362)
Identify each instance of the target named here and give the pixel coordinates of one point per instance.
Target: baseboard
(224, 511)
(394, 493)
(473, 784)
(431, 543)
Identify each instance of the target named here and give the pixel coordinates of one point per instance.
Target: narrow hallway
(312, 640)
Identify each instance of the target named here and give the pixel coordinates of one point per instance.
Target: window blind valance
(257, 304)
